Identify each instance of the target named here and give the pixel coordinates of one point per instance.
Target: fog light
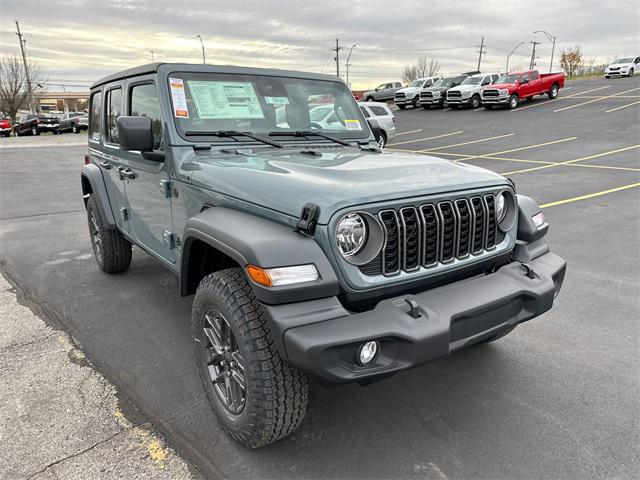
(367, 352)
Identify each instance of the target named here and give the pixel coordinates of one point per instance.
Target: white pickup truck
(468, 92)
(410, 95)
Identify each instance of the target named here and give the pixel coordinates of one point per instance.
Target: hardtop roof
(204, 68)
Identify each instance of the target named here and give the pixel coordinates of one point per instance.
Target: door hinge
(124, 213)
(167, 189)
(307, 220)
(170, 239)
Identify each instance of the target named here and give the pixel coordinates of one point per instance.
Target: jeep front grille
(435, 233)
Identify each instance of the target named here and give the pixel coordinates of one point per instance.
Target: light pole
(349, 64)
(153, 56)
(202, 45)
(511, 53)
(553, 47)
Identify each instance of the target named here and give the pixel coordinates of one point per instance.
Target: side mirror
(526, 80)
(135, 133)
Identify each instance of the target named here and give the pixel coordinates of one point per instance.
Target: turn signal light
(275, 277)
(259, 275)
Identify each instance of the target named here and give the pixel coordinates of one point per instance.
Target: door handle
(105, 165)
(126, 173)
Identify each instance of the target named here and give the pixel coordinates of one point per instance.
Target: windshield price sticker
(353, 124)
(179, 98)
(277, 101)
(225, 100)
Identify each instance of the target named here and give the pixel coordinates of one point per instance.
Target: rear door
(147, 182)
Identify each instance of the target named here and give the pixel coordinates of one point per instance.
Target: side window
(637, 60)
(389, 85)
(364, 112)
(378, 111)
(524, 78)
(486, 81)
(113, 111)
(535, 76)
(144, 103)
(494, 78)
(95, 117)
(428, 83)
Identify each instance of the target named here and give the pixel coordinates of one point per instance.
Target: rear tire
(553, 93)
(111, 249)
(258, 397)
(513, 102)
(415, 102)
(370, 99)
(382, 141)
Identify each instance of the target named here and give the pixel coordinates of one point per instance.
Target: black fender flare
(530, 242)
(253, 240)
(92, 174)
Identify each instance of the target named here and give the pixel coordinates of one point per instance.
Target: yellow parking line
(428, 138)
(407, 133)
(488, 155)
(596, 100)
(559, 164)
(560, 98)
(591, 195)
(624, 106)
(426, 150)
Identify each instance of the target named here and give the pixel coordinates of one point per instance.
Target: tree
(14, 94)
(571, 59)
(424, 67)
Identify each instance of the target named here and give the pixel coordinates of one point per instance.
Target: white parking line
(407, 133)
(519, 149)
(624, 106)
(466, 143)
(561, 98)
(428, 138)
(596, 100)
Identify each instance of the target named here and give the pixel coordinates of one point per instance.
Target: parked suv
(622, 67)
(308, 250)
(379, 115)
(436, 96)
(410, 95)
(73, 121)
(35, 124)
(382, 92)
(468, 92)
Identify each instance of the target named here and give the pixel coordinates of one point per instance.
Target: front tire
(513, 101)
(111, 249)
(257, 396)
(415, 102)
(631, 73)
(35, 131)
(475, 102)
(75, 129)
(553, 93)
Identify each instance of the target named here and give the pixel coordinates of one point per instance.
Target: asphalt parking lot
(556, 398)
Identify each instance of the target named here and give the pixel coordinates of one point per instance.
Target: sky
(75, 42)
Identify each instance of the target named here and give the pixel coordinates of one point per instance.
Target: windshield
(624, 60)
(508, 78)
(416, 83)
(260, 104)
(471, 81)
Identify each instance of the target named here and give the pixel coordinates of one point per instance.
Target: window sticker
(277, 101)
(353, 124)
(225, 100)
(180, 109)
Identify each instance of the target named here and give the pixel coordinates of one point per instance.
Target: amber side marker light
(275, 277)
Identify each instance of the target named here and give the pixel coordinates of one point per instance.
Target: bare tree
(571, 59)
(13, 85)
(424, 67)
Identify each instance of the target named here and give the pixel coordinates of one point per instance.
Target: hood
(409, 90)
(498, 86)
(621, 65)
(466, 88)
(286, 181)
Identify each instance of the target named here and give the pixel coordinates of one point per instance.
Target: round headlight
(351, 234)
(501, 202)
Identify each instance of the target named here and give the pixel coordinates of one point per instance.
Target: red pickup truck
(512, 88)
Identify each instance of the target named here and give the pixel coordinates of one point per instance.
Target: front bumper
(5, 129)
(431, 100)
(324, 338)
(458, 100)
(503, 100)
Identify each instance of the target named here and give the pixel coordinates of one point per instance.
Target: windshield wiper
(308, 133)
(232, 134)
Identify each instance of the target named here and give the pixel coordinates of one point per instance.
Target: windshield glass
(624, 60)
(416, 83)
(471, 81)
(210, 102)
(508, 78)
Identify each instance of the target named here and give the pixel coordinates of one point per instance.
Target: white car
(623, 67)
(468, 92)
(379, 114)
(410, 95)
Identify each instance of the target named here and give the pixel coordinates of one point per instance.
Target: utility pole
(480, 52)
(553, 46)
(26, 67)
(202, 45)
(533, 55)
(153, 58)
(349, 63)
(337, 57)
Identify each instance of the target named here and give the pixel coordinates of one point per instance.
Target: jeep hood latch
(308, 217)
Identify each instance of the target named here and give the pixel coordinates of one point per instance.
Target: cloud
(84, 40)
